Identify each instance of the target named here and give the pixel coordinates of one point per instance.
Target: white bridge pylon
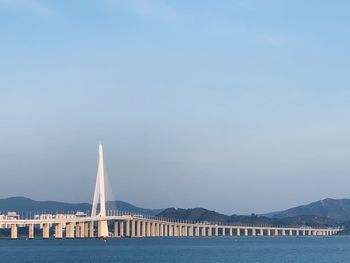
(100, 195)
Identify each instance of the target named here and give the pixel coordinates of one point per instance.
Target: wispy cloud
(35, 6)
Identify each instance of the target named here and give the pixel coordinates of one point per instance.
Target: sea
(179, 250)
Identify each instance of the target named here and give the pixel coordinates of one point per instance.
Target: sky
(236, 106)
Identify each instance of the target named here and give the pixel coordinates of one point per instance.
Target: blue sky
(237, 106)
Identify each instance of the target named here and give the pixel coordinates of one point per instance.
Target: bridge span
(140, 227)
(101, 225)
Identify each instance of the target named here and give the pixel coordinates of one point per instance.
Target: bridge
(102, 224)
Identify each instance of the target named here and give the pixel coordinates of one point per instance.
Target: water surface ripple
(179, 250)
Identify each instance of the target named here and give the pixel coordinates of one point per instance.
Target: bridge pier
(210, 231)
(171, 230)
(14, 234)
(153, 229)
(82, 230)
(121, 228)
(196, 231)
(176, 230)
(156, 225)
(166, 228)
(143, 223)
(78, 230)
(161, 231)
(91, 230)
(138, 228)
(58, 231)
(31, 231)
(132, 228)
(127, 228)
(70, 230)
(67, 230)
(86, 230)
(190, 231)
(46, 231)
(148, 229)
(102, 228)
(203, 231)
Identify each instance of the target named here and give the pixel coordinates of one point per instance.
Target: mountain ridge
(336, 209)
(204, 215)
(24, 204)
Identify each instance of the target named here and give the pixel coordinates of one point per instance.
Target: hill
(336, 209)
(201, 214)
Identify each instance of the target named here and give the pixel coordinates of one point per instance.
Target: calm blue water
(182, 250)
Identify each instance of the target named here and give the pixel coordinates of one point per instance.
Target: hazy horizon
(235, 106)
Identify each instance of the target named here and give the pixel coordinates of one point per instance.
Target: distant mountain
(201, 214)
(24, 205)
(336, 209)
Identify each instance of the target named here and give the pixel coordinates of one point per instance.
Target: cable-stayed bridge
(103, 224)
